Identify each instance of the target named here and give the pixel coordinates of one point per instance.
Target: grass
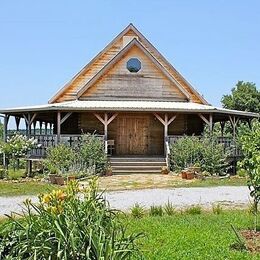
(24, 188)
(185, 236)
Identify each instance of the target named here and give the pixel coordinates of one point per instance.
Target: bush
(194, 210)
(91, 151)
(156, 211)
(59, 158)
(205, 152)
(137, 211)
(68, 227)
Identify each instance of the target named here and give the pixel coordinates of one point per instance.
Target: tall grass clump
(68, 225)
(194, 210)
(156, 211)
(137, 211)
(169, 209)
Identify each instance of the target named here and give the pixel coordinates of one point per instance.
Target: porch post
(105, 126)
(58, 126)
(211, 123)
(6, 119)
(165, 127)
(222, 125)
(46, 128)
(17, 121)
(233, 122)
(40, 127)
(29, 126)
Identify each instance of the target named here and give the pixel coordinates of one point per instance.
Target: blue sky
(44, 43)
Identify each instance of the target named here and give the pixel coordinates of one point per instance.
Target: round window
(133, 65)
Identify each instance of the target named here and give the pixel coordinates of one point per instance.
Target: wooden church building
(130, 96)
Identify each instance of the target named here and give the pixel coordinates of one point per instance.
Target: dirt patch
(141, 181)
(252, 239)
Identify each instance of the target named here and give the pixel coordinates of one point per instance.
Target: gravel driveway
(180, 197)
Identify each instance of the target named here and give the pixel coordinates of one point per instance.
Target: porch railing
(46, 141)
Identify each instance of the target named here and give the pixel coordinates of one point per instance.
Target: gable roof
(154, 54)
(136, 43)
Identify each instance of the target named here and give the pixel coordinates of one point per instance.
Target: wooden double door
(132, 135)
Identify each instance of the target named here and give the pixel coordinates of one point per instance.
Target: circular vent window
(133, 65)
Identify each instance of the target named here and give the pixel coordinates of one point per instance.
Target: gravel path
(180, 197)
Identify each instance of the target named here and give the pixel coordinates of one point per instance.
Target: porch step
(135, 165)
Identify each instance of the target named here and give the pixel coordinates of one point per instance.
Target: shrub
(137, 211)
(68, 227)
(169, 209)
(250, 144)
(59, 158)
(156, 211)
(17, 147)
(206, 152)
(91, 151)
(3, 173)
(217, 209)
(194, 210)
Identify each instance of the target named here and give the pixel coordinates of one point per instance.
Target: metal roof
(127, 105)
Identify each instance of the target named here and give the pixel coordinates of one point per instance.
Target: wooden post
(29, 126)
(105, 121)
(166, 122)
(6, 119)
(46, 128)
(58, 126)
(211, 124)
(17, 121)
(222, 125)
(40, 127)
(234, 121)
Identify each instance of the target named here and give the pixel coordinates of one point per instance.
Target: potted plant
(184, 174)
(190, 175)
(60, 180)
(195, 168)
(53, 174)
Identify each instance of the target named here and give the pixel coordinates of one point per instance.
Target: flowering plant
(17, 146)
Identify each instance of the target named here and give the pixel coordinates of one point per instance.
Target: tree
(250, 144)
(244, 96)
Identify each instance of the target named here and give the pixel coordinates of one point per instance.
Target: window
(133, 65)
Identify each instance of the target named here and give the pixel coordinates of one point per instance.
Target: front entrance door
(132, 135)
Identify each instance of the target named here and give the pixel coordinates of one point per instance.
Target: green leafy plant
(137, 211)
(67, 226)
(91, 151)
(156, 211)
(59, 158)
(250, 144)
(169, 209)
(194, 210)
(205, 152)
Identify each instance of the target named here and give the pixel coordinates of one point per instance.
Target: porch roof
(128, 105)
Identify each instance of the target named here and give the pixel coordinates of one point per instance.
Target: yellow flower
(60, 195)
(46, 198)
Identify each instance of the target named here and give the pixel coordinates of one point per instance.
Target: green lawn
(183, 236)
(24, 188)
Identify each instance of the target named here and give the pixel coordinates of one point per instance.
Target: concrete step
(124, 163)
(135, 165)
(125, 172)
(137, 159)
